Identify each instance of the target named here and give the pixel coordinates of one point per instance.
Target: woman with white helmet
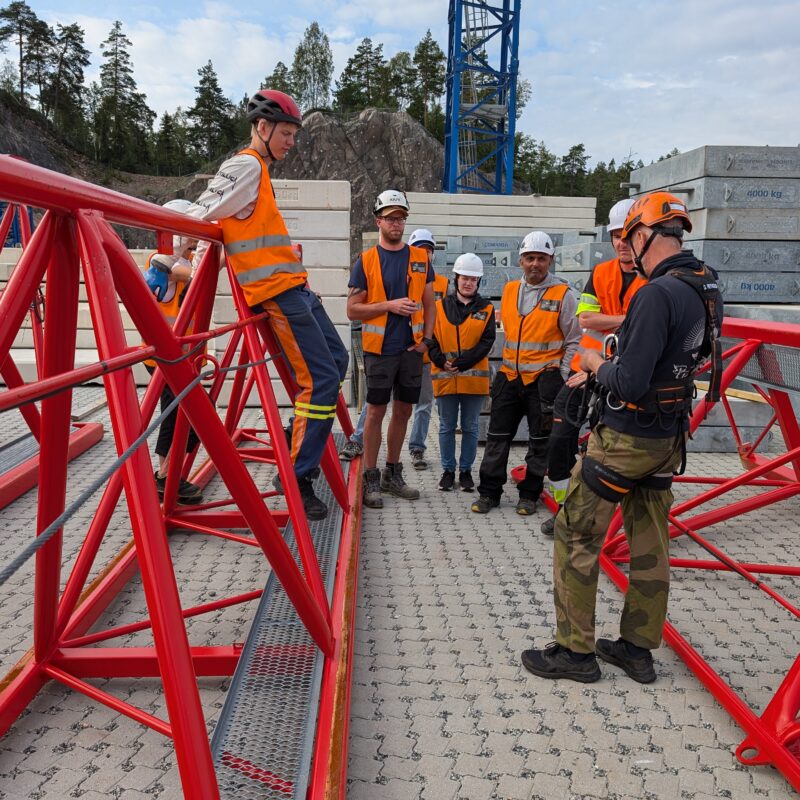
(463, 335)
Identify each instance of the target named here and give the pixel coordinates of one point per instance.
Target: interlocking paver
(441, 706)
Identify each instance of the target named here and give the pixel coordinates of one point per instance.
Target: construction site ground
(441, 707)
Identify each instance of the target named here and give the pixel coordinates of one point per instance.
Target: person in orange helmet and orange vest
(463, 335)
(601, 310)
(541, 337)
(391, 293)
(672, 326)
(273, 279)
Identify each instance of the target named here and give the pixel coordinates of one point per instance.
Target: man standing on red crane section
(601, 310)
(272, 278)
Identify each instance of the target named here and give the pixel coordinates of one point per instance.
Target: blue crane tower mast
(482, 67)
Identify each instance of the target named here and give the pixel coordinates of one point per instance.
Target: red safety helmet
(656, 210)
(273, 106)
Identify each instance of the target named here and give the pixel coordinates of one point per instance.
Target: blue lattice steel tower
(482, 67)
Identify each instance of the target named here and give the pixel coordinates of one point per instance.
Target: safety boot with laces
(372, 488)
(392, 481)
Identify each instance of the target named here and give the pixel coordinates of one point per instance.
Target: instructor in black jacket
(671, 326)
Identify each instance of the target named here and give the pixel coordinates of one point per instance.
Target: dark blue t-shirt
(394, 271)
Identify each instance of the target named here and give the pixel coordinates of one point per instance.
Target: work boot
(526, 507)
(392, 481)
(448, 480)
(465, 481)
(314, 507)
(188, 493)
(484, 504)
(350, 450)
(418, 459)
(372, 488)
(636, 661)
(556, 661)
(548, 527)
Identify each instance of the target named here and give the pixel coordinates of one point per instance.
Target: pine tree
(401, 79)
(16, 22)
(39, 61)
(429, 59)
(312, 69)
(66, 89)
(363, 79)
(123, 122)
(211, 114)
(280, 79)
(573, 169)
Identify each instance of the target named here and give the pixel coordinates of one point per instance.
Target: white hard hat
(422, 236)
(391, 198)
(180, 243)
(469, 264)
(619, 211)
(537, 242)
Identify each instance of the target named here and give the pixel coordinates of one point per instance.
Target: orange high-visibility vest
(453, 340)
(607, 283)
(169, 307)
(259, 248)
(373, 330)
(533, 342)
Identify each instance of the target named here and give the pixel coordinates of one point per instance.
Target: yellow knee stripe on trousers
(299, 412)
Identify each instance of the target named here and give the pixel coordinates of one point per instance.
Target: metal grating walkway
(263, 741)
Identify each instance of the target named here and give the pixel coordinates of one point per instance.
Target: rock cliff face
(374, 150)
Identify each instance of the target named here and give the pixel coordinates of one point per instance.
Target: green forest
(110, 121)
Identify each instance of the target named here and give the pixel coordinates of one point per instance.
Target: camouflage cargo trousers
(580, 530)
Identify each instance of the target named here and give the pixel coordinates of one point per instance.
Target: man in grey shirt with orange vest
(541, 336)
(258, 247)
(391, 293)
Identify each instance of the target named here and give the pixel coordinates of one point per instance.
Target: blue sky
(622, 77)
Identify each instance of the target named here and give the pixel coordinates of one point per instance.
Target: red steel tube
(158, 579)
(58, 356)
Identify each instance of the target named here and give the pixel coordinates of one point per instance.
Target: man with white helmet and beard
(391, 293)
(541, 337)
(601, 310)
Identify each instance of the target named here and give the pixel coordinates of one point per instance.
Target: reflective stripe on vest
(453, 340)
(373, 330)
(534, 342)
(607, 282)
(258, 247)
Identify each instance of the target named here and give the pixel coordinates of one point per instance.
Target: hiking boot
(548, 527)
(418, 459)
(465, 481)
(638, 667)
(392, 481)
(350, 450)
(525, 506)
(372, 488)
(484, 504)
(188, 493)
(556, 661)
(447, 481)
(314, 507)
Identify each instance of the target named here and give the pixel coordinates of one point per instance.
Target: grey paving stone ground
(441, 708)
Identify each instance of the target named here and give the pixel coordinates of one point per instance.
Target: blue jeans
(422, 412)
(471, 405)
(358, 433)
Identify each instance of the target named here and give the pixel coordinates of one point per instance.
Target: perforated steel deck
(263, 741)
